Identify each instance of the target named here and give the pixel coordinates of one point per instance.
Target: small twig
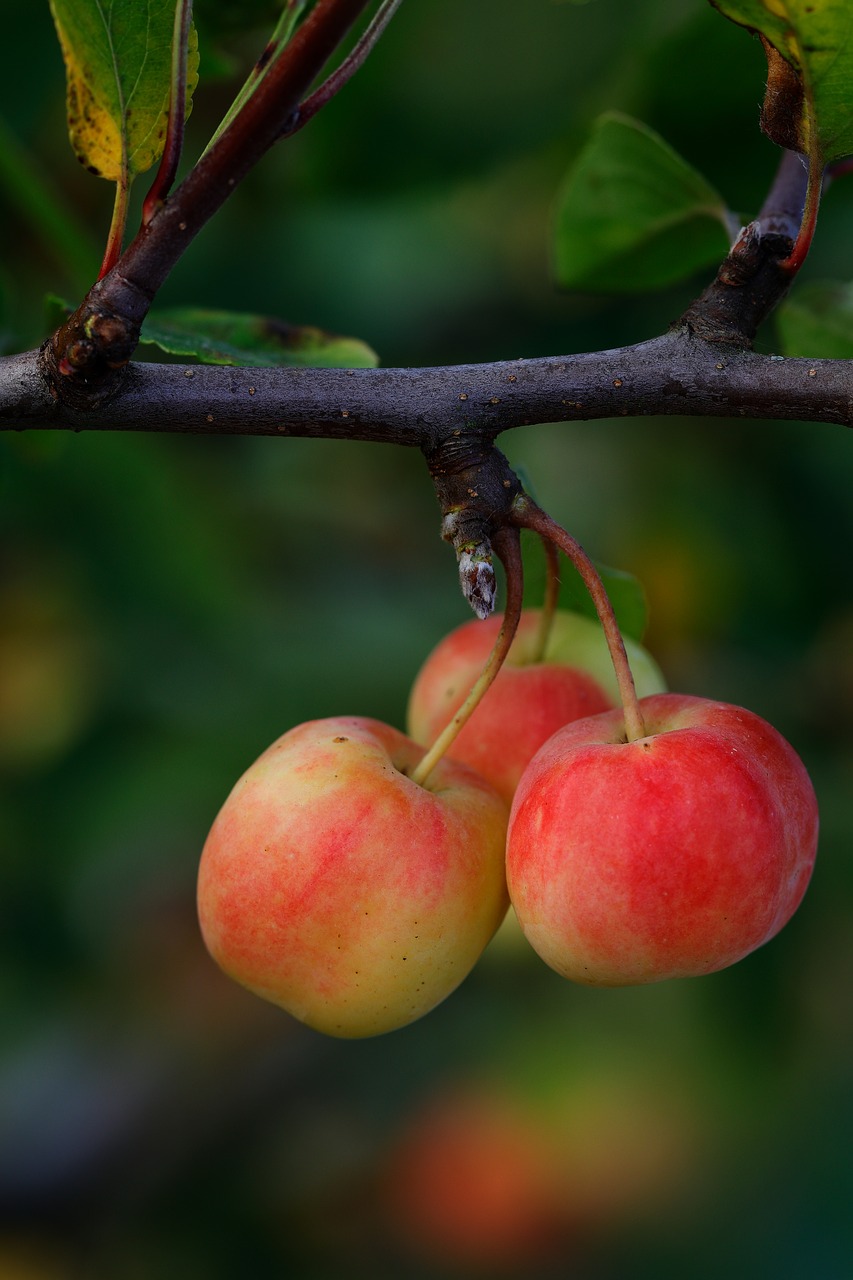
(755, 276)
(805, 234)
(175, 128)
(528, 515)
(115, 238)
(354, 60)
(549, 602)
(781, 213)
(507, 544)
(278, 42)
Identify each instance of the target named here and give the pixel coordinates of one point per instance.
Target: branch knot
(476, 488)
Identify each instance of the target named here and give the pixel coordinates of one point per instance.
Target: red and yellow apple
(530, 698)
(335, 886)
(672, 855)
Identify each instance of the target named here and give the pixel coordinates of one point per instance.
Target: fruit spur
(354, 876)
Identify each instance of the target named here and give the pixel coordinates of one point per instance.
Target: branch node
(476, 489)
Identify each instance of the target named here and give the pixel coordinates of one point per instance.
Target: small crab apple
(334, 885)
(671, 855)
(532, 696)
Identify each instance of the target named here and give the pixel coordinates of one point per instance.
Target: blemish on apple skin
(340, 739)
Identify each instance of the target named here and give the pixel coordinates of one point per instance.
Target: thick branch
(674, 374)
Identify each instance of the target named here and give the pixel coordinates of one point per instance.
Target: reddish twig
(342, 74)
(174, 144)
(550, 600)
(527, 515)
(805, 233)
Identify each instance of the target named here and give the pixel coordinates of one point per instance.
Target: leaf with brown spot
(118, 66)
(232, 337)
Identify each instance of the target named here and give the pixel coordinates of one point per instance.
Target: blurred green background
(169, 606)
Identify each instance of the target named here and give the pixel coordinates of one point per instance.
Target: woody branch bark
(674, 374)
(102, 334)
(703, 367)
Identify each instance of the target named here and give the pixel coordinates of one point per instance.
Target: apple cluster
(337, 886)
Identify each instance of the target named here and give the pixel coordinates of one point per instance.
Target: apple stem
(549, 602)
(527, 515)
(507, 544)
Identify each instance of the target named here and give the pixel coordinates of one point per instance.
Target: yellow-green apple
(338, 888)
(672, 855)
(531, 697)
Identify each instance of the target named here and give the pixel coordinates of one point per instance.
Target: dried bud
(477, 577)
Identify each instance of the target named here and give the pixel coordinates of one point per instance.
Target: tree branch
(757, 273)
(354, 61)
(677, 373)
(102, 334)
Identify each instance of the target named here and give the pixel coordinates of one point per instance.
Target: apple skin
(671, 856)
(529, 700)
(334, 886)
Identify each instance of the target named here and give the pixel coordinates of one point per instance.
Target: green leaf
(815, 38)
(625, 591)
(231, 337)
(633, 215)
(118, 65)
(818, 321)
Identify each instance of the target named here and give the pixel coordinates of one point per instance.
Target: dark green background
(169, 606)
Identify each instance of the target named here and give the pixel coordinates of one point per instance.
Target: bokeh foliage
(168, 606)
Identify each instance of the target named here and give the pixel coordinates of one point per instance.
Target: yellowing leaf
(118, 65)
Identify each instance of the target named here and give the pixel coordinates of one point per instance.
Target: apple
(529, 699)
(341, 890)
(673, 855)
(473, 1184)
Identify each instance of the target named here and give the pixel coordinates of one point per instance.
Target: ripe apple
(334, 886)
(529, 699)
(673, 855)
